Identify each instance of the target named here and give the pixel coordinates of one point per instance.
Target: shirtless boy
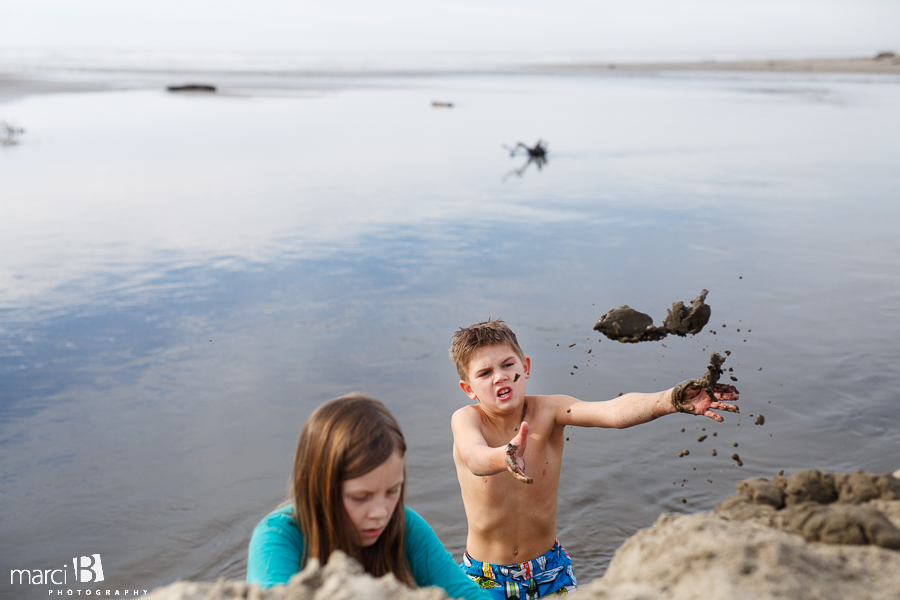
(508, 450)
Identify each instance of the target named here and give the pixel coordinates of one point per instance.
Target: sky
(642, 28)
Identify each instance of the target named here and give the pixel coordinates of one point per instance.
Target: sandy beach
(17, 84)
(886, 62)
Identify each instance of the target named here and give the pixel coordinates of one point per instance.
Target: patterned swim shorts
(547, 575)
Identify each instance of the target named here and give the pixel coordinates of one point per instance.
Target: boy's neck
(508, 422)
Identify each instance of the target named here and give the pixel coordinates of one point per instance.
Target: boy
(511, 525)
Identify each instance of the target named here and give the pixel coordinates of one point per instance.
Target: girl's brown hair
(343, 439)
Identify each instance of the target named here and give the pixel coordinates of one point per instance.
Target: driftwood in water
(537, 154)
(9, 134)
(192, 87)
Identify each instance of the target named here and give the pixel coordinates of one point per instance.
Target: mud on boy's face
(496, 375)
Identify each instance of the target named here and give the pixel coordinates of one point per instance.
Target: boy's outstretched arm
(481, 459)
(635, 408)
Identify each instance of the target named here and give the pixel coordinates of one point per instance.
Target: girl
(349, 483)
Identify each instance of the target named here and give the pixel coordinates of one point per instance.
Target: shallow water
(184, 278)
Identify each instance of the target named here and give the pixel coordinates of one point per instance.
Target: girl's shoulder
(281, 520)
(413, 520)
(280, 514)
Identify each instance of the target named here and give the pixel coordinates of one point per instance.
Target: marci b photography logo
(87, 569)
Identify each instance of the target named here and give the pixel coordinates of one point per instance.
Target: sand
(885, 64)
(742, 550)
(13, 85)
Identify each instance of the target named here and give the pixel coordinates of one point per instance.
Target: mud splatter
(511, 450)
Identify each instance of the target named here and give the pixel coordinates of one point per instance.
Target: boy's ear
(468, 389)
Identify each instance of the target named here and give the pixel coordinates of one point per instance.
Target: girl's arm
(276, 548)
(431, 564)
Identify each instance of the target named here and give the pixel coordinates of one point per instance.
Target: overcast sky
(713, 28)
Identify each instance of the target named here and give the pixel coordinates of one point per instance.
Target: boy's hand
(697, 401)
(515, 454)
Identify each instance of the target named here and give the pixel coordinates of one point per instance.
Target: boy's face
(492, 380)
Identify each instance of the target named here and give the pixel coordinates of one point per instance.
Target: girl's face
(370, 500)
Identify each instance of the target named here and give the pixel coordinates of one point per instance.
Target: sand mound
(812, 535)
(341, 579)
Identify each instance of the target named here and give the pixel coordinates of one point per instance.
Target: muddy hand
(696, 400)
(515, 454)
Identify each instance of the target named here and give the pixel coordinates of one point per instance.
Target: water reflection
(536, 154)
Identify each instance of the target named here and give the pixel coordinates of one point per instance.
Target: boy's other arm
(481, 459)
(635, 408)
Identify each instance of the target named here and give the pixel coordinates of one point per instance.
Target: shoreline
(887, 63)
(35, 81)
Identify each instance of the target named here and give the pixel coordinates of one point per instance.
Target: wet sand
(14, 84)
(886, 64)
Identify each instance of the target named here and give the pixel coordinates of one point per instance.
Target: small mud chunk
(701, 438)
(833, 508)
(683, 453)
(737, 459)
(760, 420)
(714, 453)
(628, 325)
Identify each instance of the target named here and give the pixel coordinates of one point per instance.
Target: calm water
(184, 278)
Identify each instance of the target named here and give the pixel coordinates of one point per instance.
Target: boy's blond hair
(468, 340)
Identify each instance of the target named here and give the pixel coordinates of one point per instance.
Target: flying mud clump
(630, 326)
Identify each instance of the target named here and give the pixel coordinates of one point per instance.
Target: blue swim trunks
(548, 575)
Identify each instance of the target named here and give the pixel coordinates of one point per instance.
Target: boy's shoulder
(469, 413)
(541, 403)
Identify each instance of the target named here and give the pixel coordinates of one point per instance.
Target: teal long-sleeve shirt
(276, 549)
